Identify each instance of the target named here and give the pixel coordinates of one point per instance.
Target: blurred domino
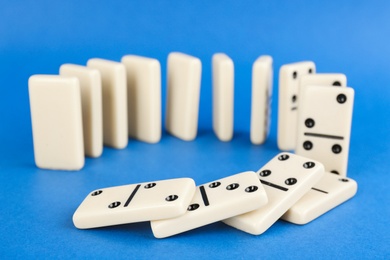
(183, 90)
(135, 203)
(113, 74)
(223, 96)
(328, 193)
(55, 104)
(324, 126)
(216, 201)
(91, 103)
(262, 77)
(144, 98)
(286, 178)
(321, 79)
(289, 76)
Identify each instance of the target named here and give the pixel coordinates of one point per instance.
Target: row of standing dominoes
(248, 201)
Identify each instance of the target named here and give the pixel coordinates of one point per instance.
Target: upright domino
(183, 91)
(262, 78)
(321, 79)
(113, 74)
(223, 96)
(216, 201)
(55, 104)
(91, 103)
(144, 98)
(324, 126)
(135, 203)
(289, 76)
(286, 178)
(329, 192)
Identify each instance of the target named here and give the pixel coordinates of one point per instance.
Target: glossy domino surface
(331, 191)
(144, 97)
(262, 81)
(55, 104)
(114, 96)
(183, 93)
(91, 103)
(286, 178)
(216, 201)
(135, 203)
(223, 96)
(289, 75)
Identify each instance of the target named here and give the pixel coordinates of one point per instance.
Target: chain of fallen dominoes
(76, 112)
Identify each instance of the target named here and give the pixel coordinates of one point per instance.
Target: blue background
(36, 37)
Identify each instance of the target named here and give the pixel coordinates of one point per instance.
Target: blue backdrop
(36, 37)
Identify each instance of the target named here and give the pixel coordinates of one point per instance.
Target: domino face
(91, 103)
(216, 201)
(321, 79)
(223, 96)
(134, 203)
(184, 74)
(262, 77)
(289, 76)
(114, 93)
(324, 126)
(328, 193)
(55, 104)
(286, 178)
(144, 98)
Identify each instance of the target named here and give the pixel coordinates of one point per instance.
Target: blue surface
(352, 37)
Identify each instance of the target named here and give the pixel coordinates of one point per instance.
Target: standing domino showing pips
(289, 76)
(55, 104)
(223, 96)
(216, 201)
(262, 78)
(144, 97)
(286, 178)
(91, 103)
(324, 126)
(183, 91)
(135, 203)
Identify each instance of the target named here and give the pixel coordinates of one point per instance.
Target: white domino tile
(114, 93)
(135, 203)
(144, 98)
(216, 201)
(91, 103)
(223, 96)
(324, 126)
(183, 91)
(55, 103)
(289, 75)
(321, 79)
(286, 178)
(331, 191)
(262, 79)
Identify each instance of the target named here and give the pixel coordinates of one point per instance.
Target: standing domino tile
(223, 96)
(114, 92)
(91, 103)
(289, 76)
(216, 201)
(321, 79)
(184, 73)
(324, 126)
(135, 203)
(55, 104)
(262, 76)
(144, 98)
(286, 178)
(328, 193)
